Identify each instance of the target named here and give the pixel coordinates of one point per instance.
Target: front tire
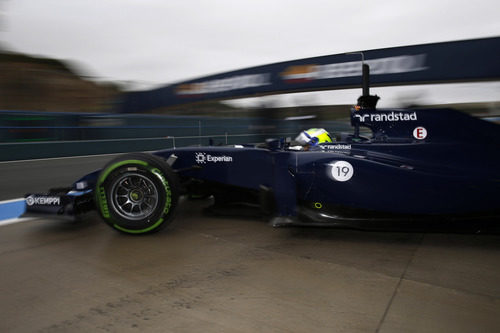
(137, 193)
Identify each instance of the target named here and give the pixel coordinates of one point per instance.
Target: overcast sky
(155, 42)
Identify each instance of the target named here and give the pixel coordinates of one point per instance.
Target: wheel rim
(134, 196)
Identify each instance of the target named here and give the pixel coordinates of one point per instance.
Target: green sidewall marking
(168, 192)
(132, 231)
(103, 204)
(101, 192)
(105, 175)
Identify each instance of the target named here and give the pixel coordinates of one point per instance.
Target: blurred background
(67, 68)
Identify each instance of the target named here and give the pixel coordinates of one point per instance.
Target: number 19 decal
(342, 171)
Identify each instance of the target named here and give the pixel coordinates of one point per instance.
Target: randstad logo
(389, 116)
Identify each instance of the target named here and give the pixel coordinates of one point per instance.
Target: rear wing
(424, 125)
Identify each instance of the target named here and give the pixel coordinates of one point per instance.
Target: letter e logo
(420, 133)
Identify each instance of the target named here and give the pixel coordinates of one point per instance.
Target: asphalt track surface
(212, 274)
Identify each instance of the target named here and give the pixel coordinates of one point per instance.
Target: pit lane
(215, 274)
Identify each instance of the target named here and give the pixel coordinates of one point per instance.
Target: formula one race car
(417, 164)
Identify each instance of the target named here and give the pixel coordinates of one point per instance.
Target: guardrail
(50, 149)
(31, 135)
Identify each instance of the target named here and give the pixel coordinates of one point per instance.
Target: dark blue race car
(414, 165)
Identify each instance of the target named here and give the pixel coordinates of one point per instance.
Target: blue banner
(459, 61)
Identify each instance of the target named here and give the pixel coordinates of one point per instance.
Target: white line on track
(59, 158)
(11, 200)
(16, 220)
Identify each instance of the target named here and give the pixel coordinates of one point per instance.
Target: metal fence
(30, 134)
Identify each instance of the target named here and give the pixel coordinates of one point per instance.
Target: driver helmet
(313, 137)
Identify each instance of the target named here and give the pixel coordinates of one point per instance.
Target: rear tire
(137, 193)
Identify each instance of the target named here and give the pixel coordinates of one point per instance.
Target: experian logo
(389, 116)
(203, 158)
